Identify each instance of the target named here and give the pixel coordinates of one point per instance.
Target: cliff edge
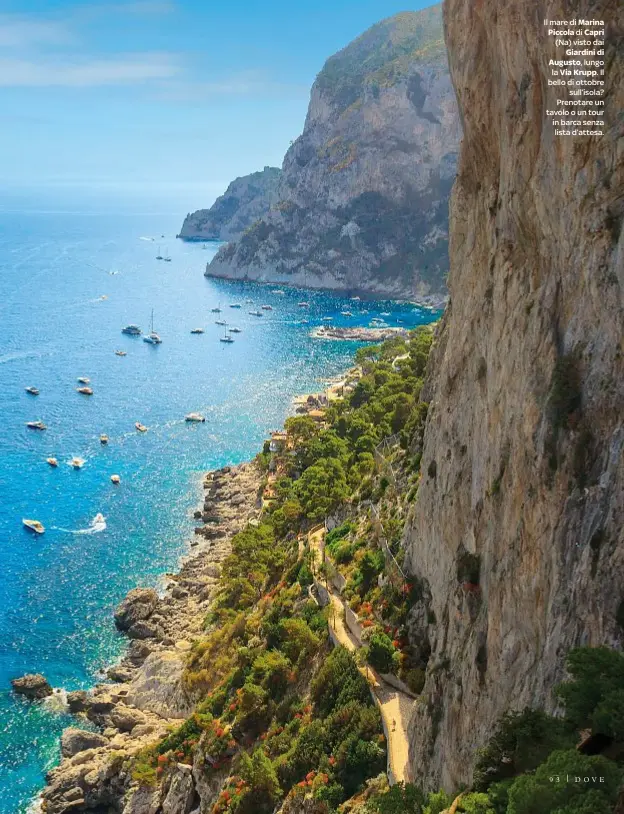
(363, 196)
(517, 534)
(246, 199)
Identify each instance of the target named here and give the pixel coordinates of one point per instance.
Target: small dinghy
(120, 353)
(36, 425)
(103, 439)
(33, 391)
(52, 461)
(115, 479)
(77, 463)
(140, 427)
(86, 391)
(84, 380)
(194, 418)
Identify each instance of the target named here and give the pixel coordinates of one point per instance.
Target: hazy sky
(162, 93)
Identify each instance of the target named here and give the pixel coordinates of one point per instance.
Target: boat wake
(97, 524)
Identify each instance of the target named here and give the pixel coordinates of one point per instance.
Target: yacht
(267, 307)
(86, 391)
(84, 380)
(197, 331)
(216, 310)
(34, 525)
(140, 427)
(36, 425)
(77, 463)
(120, 353)
(256, 313)
(235, 330)
(235, 305)
(220, 322)
(52, 461)
(33, 391)
(327, 319)
(346, 313)
(103, 439)
(225, 338)
(194, 418)
(132, 330)
(152, 337)
(303, 304)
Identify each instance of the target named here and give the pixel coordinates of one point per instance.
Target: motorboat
(84, 380)
(235, 305)
(77, 463)
(266, 307)
(256, 313)
(86, 391)
(197, 331)
(140, 427)
(34, 525)
(279, 291)
(152, 337)
(120, 353)
(385, 313)
(346, 313)
(52, 461)
(115, 479)
(132, 330)
(303, 304)
(194, 418)
(305, 321)
(327, 319)
(36, 425)
(355, 299)
(33, 391)
(235, 330)
(103, 439)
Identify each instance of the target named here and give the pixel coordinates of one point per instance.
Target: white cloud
(22, 32)
(122, 70)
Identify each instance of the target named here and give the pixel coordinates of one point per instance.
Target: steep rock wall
(523, 471)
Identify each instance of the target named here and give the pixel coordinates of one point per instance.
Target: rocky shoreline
(145, 694)
(358, 334)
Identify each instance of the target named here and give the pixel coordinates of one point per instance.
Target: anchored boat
(34, 525)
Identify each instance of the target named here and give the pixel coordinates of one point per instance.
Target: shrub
(338, 682)
(382, 654)
(399, 799)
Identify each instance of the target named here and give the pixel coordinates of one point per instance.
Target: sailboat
(152, 337)
(159, 255)
(166, 258)
(226, 337)
(216, 310)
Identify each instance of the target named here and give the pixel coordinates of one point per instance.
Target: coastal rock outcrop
(75, 740)
(138, 605)
(363, 195)
(517, 532)
(246, 199)
(33, 686)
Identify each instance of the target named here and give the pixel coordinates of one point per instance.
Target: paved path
(395, 706)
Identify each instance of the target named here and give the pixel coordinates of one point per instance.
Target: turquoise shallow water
(57, 592)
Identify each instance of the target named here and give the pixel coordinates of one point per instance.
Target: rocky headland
(362, 199)
(246, 200)
(145, 694)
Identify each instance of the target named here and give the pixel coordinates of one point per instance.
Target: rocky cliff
(363, 195)
(247, 199)
(517, 534)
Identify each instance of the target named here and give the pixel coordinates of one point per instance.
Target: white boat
(36, 425)
(86, 391)
(77, 463)
(385, 313)
(266, 307)
(194, 418)
(33, 391)
(327, 319)
(52, 461)
(34, 525)
(103, 439)
(220, 322)
(235, 330)
(216, 310)
(226, 338)
(256, 313)
(84, 380)
(197, 330)
(235, 305)
(159, 255)
(115, 479)
(132, 330)
(279, 291)
(303, 304)
(120, 353)
(140, 427)
(166, 258)
(346, 313)
(355, 299)
(152, 337)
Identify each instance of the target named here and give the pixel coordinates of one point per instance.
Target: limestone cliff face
(523, 471)
(363, 198)
(245, 200)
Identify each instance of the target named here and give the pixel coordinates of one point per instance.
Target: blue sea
(73, 272)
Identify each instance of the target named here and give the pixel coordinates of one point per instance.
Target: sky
(163, 96)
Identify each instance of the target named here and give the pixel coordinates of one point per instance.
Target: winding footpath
(395, 706)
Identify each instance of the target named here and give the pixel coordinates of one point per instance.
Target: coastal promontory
(362, 199)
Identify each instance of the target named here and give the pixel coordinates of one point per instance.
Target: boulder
(75, 740)
(143, 630)
(125, 718)
(33, 686)
(77, 701)
(138, 606)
